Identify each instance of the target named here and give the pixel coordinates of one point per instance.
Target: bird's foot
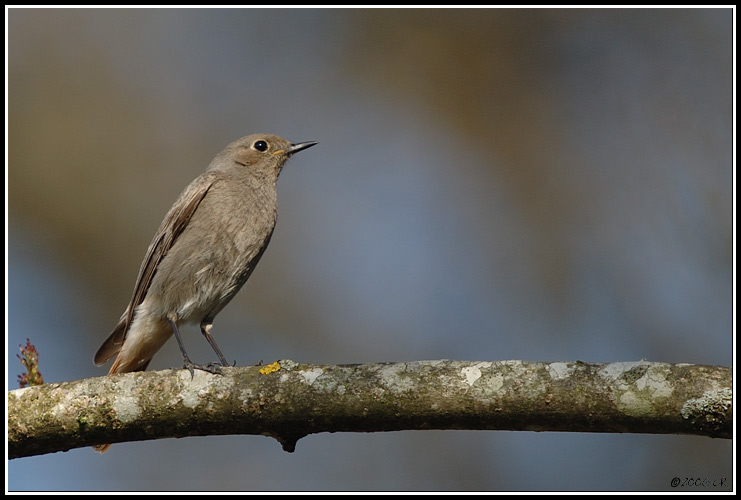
(210, 368)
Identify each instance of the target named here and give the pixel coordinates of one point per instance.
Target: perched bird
(203, 252)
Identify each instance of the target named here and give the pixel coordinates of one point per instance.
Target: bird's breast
(217, 251)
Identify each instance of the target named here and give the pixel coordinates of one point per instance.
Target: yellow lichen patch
(273, 367)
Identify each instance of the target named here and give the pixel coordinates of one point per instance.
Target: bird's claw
(210, 368)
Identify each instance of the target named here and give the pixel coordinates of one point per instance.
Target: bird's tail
(133, 347)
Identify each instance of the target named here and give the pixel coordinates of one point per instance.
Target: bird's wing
(173, 224)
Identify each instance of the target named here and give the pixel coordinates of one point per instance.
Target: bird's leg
(206, 331)
(187, 363)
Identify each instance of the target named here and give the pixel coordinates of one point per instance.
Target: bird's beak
(295, 148)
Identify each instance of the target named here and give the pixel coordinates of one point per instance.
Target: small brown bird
(203, 252)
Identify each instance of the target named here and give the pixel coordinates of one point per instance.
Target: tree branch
(288, 401)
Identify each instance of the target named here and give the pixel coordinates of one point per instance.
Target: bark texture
(289, 400)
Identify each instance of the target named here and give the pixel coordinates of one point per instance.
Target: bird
(203, 252)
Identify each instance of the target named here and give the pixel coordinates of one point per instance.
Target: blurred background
(543, 185)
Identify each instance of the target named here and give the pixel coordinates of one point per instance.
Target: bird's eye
(260, 146)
